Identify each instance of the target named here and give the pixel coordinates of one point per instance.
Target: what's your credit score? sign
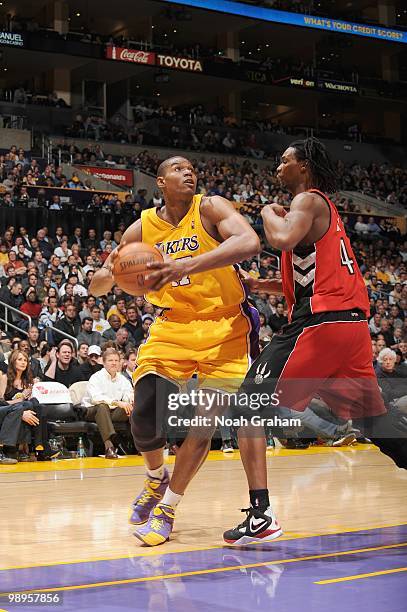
(297, 19)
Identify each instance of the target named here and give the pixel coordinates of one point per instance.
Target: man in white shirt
(108, 399)
(100, 325)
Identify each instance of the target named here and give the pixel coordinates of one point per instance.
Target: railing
(55, 330)
(5, 320)
(275, 266)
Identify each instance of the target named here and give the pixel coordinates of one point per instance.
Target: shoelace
(247, 510)
(156, 524)
(147, 495)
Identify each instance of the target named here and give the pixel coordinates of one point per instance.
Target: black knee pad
(150, 413)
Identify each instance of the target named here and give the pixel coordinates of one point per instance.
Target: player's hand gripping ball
(130, 267)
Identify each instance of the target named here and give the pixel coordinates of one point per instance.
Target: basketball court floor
(66, 541)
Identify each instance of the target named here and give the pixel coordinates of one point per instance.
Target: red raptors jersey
(323, 276)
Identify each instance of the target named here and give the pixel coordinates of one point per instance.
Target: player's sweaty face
(180, 176)
(289, 168)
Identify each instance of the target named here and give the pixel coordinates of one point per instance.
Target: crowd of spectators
(25, 95)
(248, 181)
(200, 129)
(46, 276)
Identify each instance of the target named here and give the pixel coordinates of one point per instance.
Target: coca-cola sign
(179, 63)
(135, 56)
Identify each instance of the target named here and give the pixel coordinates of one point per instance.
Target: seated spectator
(279, 319)
(133, 325)
(100, 325)
(386, 331)
(374, 324)
(62, 367)
(62, 251)
(31, 305)
(16, 263)
(361, 227)
(130, 364)
(70, 323)
(33, 337)
(107, 239)
(265, 330)
(108, 399)
(115, 324)
(119, 309)
(50, 314)
(34, 363)
(16, 389)
(44, 244)
(392, 380)
(147, 320)
(87, 335)
(88, 303)
(82, 353)
(91, 364)
(372, 227)
(122, 340)
(91, 241)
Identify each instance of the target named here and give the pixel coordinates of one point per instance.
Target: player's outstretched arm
(238, 241)
(284, 230)
(103, 280)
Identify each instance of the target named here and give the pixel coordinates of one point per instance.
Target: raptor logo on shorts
(261, 374)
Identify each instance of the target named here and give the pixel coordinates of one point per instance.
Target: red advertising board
(135, 56)
(124, 178)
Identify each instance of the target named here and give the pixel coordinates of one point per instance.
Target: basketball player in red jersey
(325, 349)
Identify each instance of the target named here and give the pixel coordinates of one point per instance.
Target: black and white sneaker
(257, 527)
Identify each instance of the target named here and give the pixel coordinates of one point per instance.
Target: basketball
(130, 268)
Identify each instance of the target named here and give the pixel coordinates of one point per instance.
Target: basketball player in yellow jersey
(204, 329)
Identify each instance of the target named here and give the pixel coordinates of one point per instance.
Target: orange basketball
(130, 268)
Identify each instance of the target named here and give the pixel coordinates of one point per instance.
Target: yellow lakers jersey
(203, 292)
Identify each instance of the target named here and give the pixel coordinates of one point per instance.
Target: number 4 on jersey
(345, 259)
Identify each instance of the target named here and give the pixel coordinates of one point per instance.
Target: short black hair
(323, 172)
(87, 319)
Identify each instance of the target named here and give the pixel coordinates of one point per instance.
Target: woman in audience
(15, 389)
(265, 330)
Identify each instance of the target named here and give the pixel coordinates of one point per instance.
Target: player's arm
(262, 285)
(284, 230)
(103, 281)
(238, 241)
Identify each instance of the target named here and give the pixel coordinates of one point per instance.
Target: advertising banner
(179, 63)
(297, 19)
(12, 39)
(124, 178)
(135, 56)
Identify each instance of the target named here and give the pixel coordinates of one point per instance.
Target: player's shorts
(215, 346)
(326, 355)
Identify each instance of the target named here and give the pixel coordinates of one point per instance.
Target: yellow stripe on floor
(360, 576)
(90, 463)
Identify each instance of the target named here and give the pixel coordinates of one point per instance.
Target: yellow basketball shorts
(216, 348)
